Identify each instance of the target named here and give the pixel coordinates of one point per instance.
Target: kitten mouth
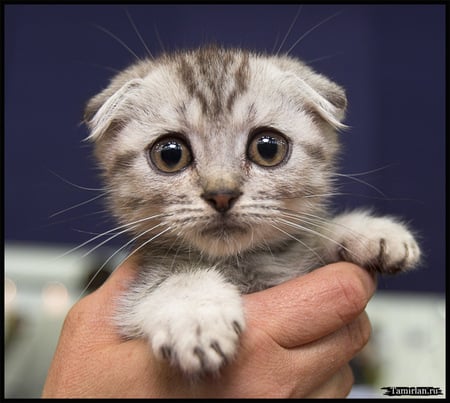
(224, 236)
(223, 229)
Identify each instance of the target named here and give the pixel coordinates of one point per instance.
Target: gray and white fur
(220, 163)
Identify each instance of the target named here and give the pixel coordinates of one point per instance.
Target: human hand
(298, 340)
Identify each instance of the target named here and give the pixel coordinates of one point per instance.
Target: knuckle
(72, 318)
(75, 316)
(347, 380)
(354, 296)
(359, 331)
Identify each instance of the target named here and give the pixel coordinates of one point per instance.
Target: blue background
(390, 59)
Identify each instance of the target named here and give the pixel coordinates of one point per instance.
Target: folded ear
(332, 103)
(321, 96)
(109, 108)
(327, 100)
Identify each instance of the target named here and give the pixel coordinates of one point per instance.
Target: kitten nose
(221, 200)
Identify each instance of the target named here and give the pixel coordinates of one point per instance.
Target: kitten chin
(222, 241)
(223, 237)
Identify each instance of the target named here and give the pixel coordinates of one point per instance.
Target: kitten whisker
(138, 34)
(127, 226)
(299, 241)
(158, 37)
(176, 252)
(103, 67)
(319, 59)
(301, 195)
(267, 246)
(316, 221)
(144, 243)
(367, 172)
(311, 30)
(352, 177)
(81, 231)
(120, 41)
(275, 43)
(297, 15)
(128, 256)
(317, 233)
(327, 195)
(77, 205)
(66, 220)
(115, 235)
(75, 185)
(325, 224)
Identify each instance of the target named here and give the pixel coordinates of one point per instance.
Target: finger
(319, 360)
(293, 372)
(339, 385)
(93, 314)
(314, 305)
(120, 277)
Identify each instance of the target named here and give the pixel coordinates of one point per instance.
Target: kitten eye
(170, 155)
(267, 148)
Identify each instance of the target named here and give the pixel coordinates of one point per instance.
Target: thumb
(311, 306)
(118, 281)
(94, 313)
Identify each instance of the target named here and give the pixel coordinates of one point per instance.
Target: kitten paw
(196, 324)
(378, 243)
(201, 344)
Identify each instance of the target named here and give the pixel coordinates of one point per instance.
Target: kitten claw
(201, 357)
(237, 328)
(166, 352)
(216, 347)
(382, 253)
(378, 243)
(195, 330)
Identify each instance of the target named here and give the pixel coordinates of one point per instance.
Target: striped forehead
(214, 79)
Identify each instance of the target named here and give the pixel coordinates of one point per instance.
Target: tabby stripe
(123, 162)
(315, 151)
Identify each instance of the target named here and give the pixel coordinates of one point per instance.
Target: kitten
(219, 163)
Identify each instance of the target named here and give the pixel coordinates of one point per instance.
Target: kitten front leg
(192, 319)
(382, 244)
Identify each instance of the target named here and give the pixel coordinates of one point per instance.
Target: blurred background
(390, 59)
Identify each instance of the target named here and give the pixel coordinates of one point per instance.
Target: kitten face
(213, 153)
(208, 149)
